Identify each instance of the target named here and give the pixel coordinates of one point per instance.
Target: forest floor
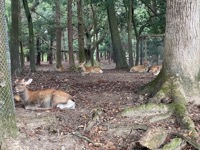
(104, 94)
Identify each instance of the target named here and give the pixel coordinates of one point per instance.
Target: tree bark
(129, 23)
(182, 50)
(31, 36)
(179, 77)
(58, 35)
(70, 33)
(80, 32)
(117, 47)
(14, 36)
(50, 54)
(8, 125)
(38, 60)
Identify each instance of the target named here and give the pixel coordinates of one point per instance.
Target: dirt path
(94, 124)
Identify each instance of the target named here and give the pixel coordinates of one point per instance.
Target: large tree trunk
(179, 78)
(31, 36)
(80, 32)
(182, 51)
(117, 47)
(58, 35)
(7, 110)
(70, 33)
(14, 36)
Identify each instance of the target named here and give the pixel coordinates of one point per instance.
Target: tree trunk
(179, 78)
(117, 47)
(50, 54)
(38, 52)
(14, 36)
(129, 23)
(70, 33)
(80, 31)
(182, 51)
(58, 35)
(95, 38)
(31, 36)
(7, 110)
(21, 55)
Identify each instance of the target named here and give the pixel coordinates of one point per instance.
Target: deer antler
(27, 74)
(16, 73)
(19, 71)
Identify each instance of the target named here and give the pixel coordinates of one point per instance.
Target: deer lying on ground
(155, 69)
(60, 69)
(91, 69)
(140, 68)
(46, 99)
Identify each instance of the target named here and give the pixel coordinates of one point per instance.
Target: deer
(91, 69)
(42, 99)
(140, 68)
(59, 69)
(155, 69)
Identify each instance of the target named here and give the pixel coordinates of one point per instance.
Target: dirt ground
(104, 94)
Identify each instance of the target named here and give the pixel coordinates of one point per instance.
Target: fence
(7, 111)
(151, 48)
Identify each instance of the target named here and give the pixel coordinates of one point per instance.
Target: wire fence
(7, 111)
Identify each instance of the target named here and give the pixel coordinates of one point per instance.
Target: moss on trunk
(173, 87)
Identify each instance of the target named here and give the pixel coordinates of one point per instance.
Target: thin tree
(31, 36)
(129, 26)
(58, 35)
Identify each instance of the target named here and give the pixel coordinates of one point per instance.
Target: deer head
(21, 85)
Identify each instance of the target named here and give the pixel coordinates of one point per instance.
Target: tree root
(192, 141)
(172, 88)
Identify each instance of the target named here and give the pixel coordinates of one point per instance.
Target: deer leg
(46, 102)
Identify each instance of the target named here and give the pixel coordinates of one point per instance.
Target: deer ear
(16, 81)
(29, 81)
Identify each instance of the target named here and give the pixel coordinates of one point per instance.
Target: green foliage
(152, 18)
(44, 20)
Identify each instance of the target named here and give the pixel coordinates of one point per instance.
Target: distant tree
(31, 36)
(38, 47)
(70, 33)
(14, 36)
(129, 6)
(116, 41)
(81, 49)
(58, 35)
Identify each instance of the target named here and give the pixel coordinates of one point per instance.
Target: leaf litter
(95, 123)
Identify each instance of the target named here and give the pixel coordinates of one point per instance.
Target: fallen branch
(86, 139)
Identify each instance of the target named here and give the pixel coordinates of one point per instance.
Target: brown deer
(60, 69)
(91, 69)
(140, 68)
(155, 69)
(42, 99)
